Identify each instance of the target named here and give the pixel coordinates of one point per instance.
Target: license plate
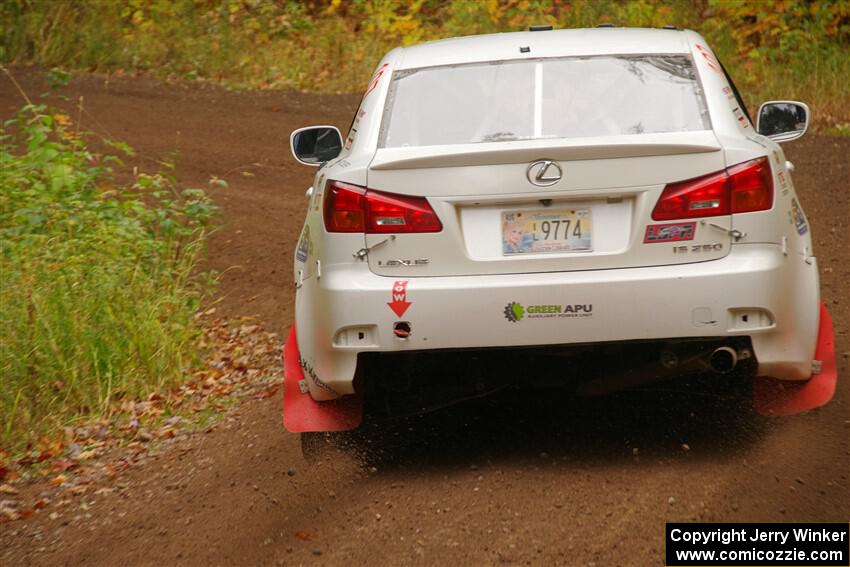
(546, 230)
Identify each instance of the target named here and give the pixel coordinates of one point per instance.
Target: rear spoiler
(561, 149)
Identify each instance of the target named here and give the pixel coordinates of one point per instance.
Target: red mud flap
(301, 413)
(780, 397)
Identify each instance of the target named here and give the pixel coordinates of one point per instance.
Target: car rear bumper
(756, 290)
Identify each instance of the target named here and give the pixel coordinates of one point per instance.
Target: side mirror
(315, 145)
(783, 120)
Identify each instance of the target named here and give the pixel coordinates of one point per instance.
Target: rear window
(546, 98)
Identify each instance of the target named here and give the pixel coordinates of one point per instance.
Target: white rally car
(501, 201)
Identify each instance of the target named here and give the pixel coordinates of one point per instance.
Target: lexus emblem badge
(543, 173)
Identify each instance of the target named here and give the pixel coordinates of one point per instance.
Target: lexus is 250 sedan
(599, 197)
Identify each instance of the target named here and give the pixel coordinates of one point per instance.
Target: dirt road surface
(506, 481)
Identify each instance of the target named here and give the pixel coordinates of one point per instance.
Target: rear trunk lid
(547, 205)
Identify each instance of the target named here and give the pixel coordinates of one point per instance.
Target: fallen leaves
(62, 465)
(34, 458)
(240, 361)
(86, 455)
(267, 392)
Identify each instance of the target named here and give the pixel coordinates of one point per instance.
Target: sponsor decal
(308, 370)
(739, 115)
(672, 232)
(783, 182)
(709, 59)
(516, 312)
(399, 304)
(304, 245)
(730, 97)
(318, 191)
(733, 102)
(798, 218)
(376, 79)
(352, 135)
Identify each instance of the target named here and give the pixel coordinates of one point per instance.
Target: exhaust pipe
(723, 360)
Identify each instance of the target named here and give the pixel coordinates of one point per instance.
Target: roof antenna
(540, 28)
(605, 25)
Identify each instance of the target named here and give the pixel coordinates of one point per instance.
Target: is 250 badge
(691, 248)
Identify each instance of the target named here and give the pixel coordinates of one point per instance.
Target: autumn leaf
(61, 119)
(62, 465)
(267, 392)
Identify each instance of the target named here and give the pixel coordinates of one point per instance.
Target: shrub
(98, 293)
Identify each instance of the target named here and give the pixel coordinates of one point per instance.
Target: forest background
(784, 49)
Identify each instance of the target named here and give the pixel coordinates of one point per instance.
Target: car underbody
(409, 383)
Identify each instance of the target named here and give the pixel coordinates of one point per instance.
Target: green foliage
(790, 49)
(97, 297)
(782, 49)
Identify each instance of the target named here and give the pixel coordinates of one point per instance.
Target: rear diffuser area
(301, 413)
(779, 397)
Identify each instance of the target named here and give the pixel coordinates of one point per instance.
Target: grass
(98, 293)
(792, 49)
(842, 130)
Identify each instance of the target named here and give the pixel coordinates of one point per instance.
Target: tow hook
(363, 252)
(401, 329)
(733, 232)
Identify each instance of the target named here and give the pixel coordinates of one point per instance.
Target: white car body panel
(556, 43)
(764, 284)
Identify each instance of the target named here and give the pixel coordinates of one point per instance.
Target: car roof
(541, 44)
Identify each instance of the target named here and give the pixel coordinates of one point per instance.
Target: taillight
(742, 188)
(349, 208)
(344, 208)
(752, 186)
(701, 197)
